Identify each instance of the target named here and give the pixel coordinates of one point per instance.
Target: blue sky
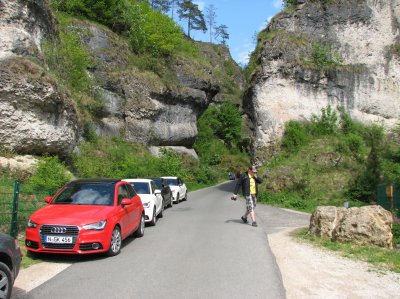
(244, 18)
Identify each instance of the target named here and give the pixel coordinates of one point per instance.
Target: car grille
(59, 230)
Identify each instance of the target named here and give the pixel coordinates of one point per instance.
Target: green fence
(388, 196)
(16, 207)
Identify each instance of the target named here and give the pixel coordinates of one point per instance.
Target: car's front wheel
(5, 281)
(115, 242)
(140, 230)
(185, 198)
(170, 202)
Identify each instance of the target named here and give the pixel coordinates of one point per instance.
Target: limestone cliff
(319, 53)
(39, 114)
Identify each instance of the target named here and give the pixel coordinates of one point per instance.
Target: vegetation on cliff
(329, 161)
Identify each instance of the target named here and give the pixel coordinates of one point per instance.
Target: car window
(86, 194)
(172, 182)
(141, 187)
(158, 183)
(131, 191)
(153, 186)
(122, 193)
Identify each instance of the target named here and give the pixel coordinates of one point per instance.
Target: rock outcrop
(291, 81)
(132, 103)
(368, 225)
(35, 116)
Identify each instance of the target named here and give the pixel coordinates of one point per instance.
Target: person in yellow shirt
(249, 182)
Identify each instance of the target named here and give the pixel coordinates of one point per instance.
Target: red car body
(78, 220)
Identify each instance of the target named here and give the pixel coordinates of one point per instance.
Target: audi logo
(58, 230)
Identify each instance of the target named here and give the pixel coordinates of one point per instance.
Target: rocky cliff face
(35, 117)
(362, 36)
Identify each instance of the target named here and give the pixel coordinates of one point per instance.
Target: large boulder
(369, 225)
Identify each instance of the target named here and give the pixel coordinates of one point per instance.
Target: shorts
(251, 202)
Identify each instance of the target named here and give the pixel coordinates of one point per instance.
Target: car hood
(146, 197)
(71, 214)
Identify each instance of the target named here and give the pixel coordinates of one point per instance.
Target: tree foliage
(211, 15)
(221, 32)
(195, 18)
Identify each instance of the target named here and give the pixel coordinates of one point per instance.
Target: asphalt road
(199, 249)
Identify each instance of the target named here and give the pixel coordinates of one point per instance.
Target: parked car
(86, 216)
(151, 198)
(10, 261)
(178, 187)
(166, 191)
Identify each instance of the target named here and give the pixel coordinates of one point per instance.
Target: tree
(173, 4)
(211, 15)
(222, 32)
(190, 11)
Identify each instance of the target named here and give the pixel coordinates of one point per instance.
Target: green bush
(295, 136)
(326, 124)
(69, 60)
(50, 175)
(205, 175)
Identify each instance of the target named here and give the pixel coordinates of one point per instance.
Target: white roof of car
(169, 177)
(137, 180)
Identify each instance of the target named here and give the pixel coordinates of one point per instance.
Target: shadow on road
(228, 186)
(234, 221)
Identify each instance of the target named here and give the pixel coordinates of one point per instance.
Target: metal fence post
(14, 220)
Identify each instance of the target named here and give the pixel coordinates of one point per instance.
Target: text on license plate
(57, 239)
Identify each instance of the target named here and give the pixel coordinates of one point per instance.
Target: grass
(382, 259)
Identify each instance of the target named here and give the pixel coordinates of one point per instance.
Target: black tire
(115, 242)
(6, 281)
(177, 199)
(170, 202)
(153, 222)
(140, 230)
(185, 198)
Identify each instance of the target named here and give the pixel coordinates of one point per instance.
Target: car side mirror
(126, 202)
(48, 199)
(157, 191)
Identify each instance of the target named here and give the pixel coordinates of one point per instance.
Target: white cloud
(243, 58)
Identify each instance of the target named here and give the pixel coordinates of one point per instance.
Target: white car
(151, 198)
(178, 188)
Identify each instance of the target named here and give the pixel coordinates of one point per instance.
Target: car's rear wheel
(154, 220)
(5, 281)
(115, 242)
(140, 230)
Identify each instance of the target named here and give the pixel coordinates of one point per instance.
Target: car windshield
(86, 194)
(141, 187)
(172, 182)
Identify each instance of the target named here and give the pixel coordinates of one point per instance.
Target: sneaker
(254, 224)
(244, 219)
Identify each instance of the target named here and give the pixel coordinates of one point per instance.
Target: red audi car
(86, 216)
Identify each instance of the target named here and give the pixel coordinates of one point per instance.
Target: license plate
(58, 239)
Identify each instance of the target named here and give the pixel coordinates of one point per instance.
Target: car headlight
(95, 226)
(146, 204)
(31, 224)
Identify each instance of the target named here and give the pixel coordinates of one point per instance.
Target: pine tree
(190, 11)
(222, 32)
